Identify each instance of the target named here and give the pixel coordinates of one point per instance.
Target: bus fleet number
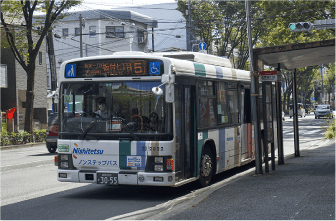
(152, 148)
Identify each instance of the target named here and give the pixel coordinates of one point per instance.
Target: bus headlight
(158, 159)
(158, 167)
(65, 161)
(65, 157)
(65, 164)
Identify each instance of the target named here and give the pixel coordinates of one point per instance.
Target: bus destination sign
(114, 68)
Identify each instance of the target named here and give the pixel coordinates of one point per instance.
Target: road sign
(268, 75)
(202, 46)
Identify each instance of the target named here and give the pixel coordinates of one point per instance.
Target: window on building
(114, 31)
(77, 31)
(92, 30)
(207, 102)
(40, 57)
(65, 32)
(141, 37)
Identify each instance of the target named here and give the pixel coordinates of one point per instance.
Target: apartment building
(103, 33)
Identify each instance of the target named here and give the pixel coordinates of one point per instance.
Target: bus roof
(197, 57)
(184, 63)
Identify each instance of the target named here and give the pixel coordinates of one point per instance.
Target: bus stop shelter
(288, 57)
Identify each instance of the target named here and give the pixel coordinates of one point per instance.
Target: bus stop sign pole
(254, 94)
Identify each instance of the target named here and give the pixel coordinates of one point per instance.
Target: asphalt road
(29, 189)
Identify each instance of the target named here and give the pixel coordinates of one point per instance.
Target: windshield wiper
(128, 129)
(89, 128)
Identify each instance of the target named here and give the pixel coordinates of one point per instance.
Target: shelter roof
(297, 55)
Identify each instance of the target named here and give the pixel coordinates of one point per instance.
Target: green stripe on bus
(199, 69)
(124, 150)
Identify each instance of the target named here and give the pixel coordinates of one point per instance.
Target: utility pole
(153, 39)
(189, 46)
(81, 24)
(321, 69)
(52, 63)
(254, 93)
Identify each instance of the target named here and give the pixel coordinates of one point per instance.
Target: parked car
(300, 110)
(52, 133)
(323, 110)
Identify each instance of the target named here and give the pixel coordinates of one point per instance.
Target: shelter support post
(279, 121)
(265, 132)
(295, 116)
(273, 156)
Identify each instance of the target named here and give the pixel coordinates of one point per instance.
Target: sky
(109, 4)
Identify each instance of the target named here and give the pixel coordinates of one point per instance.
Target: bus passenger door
(246, 126)
(185, 132)
(189, 131)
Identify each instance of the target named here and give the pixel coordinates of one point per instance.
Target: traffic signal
(300, 26)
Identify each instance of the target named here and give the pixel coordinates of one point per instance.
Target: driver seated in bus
(102, 110)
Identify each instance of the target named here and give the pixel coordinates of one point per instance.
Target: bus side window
(207, 102)
(222, 103)
(233, 104)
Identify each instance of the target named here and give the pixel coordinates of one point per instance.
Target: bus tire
(206, 167)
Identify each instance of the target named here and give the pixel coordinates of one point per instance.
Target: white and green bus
(169, 119)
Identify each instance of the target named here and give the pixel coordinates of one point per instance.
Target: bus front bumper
(124, 178)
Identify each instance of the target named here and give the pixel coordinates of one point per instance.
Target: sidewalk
(21, 146)
(303, 188)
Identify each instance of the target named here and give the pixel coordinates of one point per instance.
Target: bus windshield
(113, 111)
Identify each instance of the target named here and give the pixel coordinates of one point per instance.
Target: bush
(330, 130)
(22, 137)
(4, 140)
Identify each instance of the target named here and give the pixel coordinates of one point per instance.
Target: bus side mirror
(168, 80)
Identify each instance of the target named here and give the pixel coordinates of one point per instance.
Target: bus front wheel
(206, 167)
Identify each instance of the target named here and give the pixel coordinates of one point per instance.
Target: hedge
(22, 137)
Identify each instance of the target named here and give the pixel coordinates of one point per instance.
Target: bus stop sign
(268, 75)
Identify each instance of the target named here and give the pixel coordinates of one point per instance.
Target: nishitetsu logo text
(87, 151)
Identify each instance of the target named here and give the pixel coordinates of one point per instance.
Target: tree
(329, 81)
(25, 39)
(205, 18)
(234, 34)
(278, 14)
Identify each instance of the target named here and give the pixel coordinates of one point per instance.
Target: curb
(21, 146)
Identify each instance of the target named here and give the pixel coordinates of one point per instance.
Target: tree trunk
(28, 127)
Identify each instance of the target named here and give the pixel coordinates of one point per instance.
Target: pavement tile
(301, 189)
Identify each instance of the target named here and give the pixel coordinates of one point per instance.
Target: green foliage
(206, 19)
(25, 32)
(22, 137)
(40, 135)
(278, 15)
(329, 80)
(330, 130)
(4, 139)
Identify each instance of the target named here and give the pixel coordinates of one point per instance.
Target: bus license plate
(107, 178)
